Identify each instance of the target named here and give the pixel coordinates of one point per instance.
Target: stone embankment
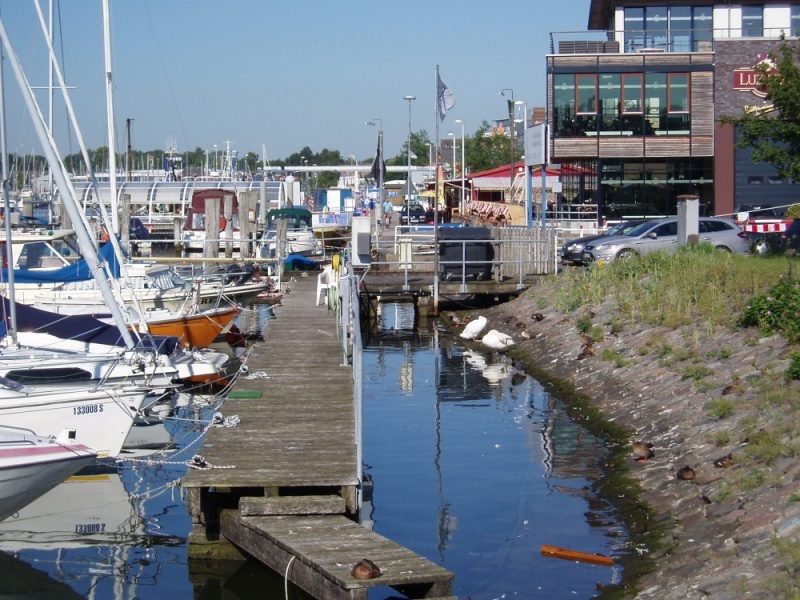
(732, 530)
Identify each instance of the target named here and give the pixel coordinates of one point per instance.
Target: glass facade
(795, 20)
(668, 28)
(624, 104)
(648, 187)
(752, 20)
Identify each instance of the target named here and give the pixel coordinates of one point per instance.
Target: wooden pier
(282, 485)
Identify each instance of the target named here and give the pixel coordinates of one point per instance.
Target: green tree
(419, 148)
(774, 135)
(488, 149)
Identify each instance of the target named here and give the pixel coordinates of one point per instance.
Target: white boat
(101, 417)
(297, 237)
(31, 465)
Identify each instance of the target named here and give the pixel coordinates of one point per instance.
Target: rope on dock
(198, 462)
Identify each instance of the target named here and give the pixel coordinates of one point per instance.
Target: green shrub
(793, 372)
(720, 408)
(793, 212)
(777, 311)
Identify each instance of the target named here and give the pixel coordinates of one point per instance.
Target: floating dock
(282, 485)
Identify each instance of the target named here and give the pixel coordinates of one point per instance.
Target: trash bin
(463, 250)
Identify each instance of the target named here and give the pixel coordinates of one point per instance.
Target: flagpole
(436, 203)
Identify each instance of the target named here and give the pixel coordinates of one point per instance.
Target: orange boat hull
(195, 331)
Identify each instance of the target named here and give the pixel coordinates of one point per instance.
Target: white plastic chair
(324, 281)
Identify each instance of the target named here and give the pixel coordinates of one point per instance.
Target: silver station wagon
(662, 234)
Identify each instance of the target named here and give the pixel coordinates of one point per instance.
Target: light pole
(453, 135)
(511, 135)
(463, 168)
(379, 212)
(215, 157)
(408, 182)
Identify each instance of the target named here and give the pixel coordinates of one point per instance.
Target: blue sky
(194, 73)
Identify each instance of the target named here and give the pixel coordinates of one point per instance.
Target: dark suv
(791, 237)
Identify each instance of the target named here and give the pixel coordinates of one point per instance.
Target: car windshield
(621, 228)
(639, 229)
(417, 207)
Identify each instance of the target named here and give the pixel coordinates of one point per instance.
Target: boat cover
(77, 271)
(83, 328)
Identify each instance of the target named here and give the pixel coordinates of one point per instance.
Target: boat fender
(223, 223)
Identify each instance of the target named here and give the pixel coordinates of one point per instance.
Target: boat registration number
(88, 409)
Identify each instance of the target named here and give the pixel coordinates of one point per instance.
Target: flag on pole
(445, 97)
(378, 170)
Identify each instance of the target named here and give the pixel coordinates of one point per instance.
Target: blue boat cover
(77, 271)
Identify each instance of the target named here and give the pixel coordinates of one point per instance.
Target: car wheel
(761, 247)
(626, 254)
(723, 249)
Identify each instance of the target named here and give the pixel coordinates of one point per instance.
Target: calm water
(474, 466)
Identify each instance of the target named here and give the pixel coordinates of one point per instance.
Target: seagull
(497, 341)
(473, 328)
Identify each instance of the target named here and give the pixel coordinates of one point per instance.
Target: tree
(774, 134)
(488, 149)
(419, 148)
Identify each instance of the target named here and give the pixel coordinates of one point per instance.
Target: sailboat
(31, 465)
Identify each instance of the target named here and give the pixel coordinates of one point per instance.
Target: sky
(261, 75)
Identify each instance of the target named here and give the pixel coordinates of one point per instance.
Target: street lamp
(379, 212)
(453, 135)
(511, 135)
(463, 167)
(408, 181)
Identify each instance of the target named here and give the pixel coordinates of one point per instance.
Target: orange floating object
(567, 554)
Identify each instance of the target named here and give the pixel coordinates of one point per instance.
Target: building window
(564, 105)
(587, 94)
(795, 20)
(755, 180)
(610, 105)
(669, 28)
(629, 104)
(752, 20)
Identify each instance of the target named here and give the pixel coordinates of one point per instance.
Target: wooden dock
(283, 484)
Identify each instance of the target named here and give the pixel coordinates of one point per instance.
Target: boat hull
(29, 470)
(101, 419)
(196, 330)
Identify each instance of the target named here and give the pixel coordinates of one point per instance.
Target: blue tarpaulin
(77, 271)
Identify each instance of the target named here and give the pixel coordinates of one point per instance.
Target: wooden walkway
(290, 466)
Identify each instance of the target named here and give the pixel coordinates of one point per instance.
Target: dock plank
(300, 431)
(331, 545)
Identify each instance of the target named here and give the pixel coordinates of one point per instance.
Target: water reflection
(118, 529)
(476, 466)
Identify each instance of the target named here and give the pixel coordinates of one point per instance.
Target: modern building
(635, 101)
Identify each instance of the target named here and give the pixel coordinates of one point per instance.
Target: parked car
(412, 214)
(572, 251)
(662, 234)
(791, 237)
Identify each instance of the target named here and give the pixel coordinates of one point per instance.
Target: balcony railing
(653, 41)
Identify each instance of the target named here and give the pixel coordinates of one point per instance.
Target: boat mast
(112, 152)
(85, 242)
(7, 206)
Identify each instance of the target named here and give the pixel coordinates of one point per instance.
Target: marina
(415, 386)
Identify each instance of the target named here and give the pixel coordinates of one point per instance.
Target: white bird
(497, 340)
(473, 328)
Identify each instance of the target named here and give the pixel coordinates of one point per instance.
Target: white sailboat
(31, 465)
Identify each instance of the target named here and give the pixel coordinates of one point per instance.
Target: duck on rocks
(642, 451)
(724, 462)
(685, 473)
